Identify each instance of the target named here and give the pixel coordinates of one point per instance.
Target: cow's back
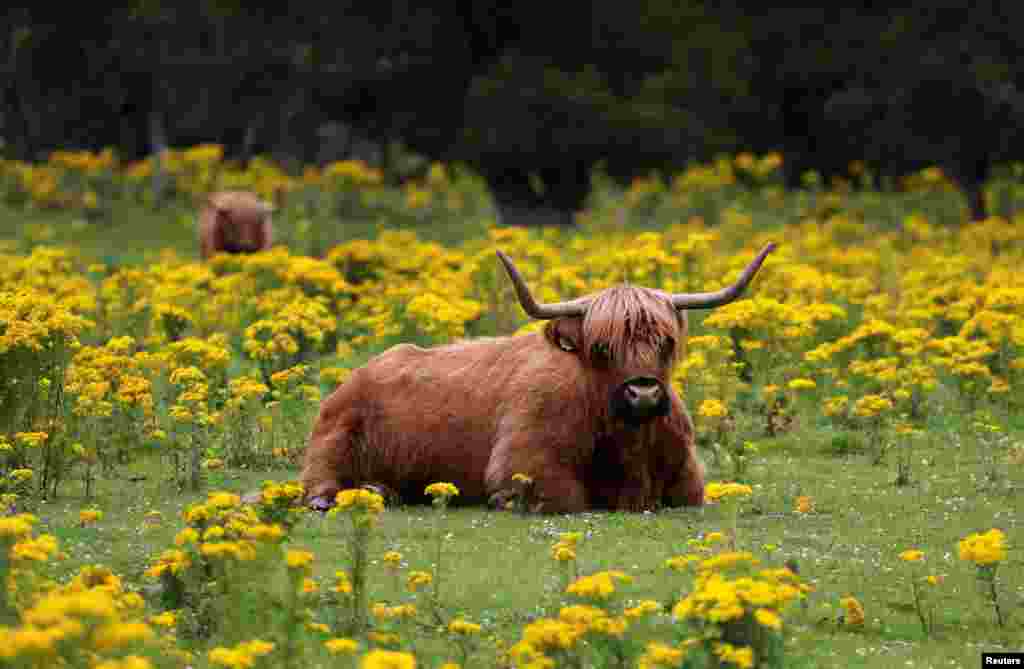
(431, 414)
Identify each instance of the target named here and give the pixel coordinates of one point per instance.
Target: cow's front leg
(556, 486)
(559, 490)
(636, 493)
(686, 488)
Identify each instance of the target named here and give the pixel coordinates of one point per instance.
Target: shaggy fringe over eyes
(633, 322)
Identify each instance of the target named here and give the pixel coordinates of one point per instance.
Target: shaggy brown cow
(234, 222)
(585, 408)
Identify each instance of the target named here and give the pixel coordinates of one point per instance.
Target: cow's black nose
(643, 393)
(640, 399)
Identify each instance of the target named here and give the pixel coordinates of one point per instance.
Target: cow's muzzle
(240, 247)
(639, 400)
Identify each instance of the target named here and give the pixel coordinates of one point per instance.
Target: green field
(942, 461)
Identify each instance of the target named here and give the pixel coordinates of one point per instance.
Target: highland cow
(234, 222)
(585, 408)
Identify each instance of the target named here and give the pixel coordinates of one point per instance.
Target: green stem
(293, 622)
(360, 537)
(918, 604)
(995, 598)
(438, 532)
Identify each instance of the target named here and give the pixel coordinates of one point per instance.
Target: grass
(497, 569)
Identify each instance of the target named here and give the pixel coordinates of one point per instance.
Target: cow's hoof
(321, 503)
(503, 499)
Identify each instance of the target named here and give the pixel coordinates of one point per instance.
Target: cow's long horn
(577, 307)
(725, 295)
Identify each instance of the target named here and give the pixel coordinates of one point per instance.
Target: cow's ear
(562, 335)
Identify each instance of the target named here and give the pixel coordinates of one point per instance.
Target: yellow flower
(187, 375)
(344, 585)
(223, 500)
(643, 608)
(87, 516)
(714, 537)
(441, 490)
(334, 375)
(393, 559)
(341, 646)
(357, 499)
(984, 549)
(381, 610)
(768, 618)
(387, 659)
(418, 579)
(597, 586)
(563, 553)
(912, 556)
(241, 656)
(117, 635)
(713, 409)
(854, 611)
(728, 560)
(681, 562)
(383, 638)
(658, 654)
(871, 405)
(298, 559)
(460, 626)
(31, 439)
(189, 535)
(522, 478)
(718, 491)
(802, 384)
(165, 619)
(740, 657)
(38, 549)
(173, 561)
(215, 532)
(804, 504)
(22, 475)
(545, 633)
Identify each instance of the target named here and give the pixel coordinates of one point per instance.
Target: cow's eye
(566, 344)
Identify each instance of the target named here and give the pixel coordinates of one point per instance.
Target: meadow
(857, 411)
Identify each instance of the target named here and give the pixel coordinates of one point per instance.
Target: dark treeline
(532, 95)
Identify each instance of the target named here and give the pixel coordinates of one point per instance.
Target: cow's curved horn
(577, 307)
(727, 294)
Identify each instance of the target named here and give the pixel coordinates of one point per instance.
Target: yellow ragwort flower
(912, 555)
(854, 611)
(340, 646)
(441, 490)
(984, 549)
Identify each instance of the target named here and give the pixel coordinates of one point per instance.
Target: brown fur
(475, 413)
(234, 222)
